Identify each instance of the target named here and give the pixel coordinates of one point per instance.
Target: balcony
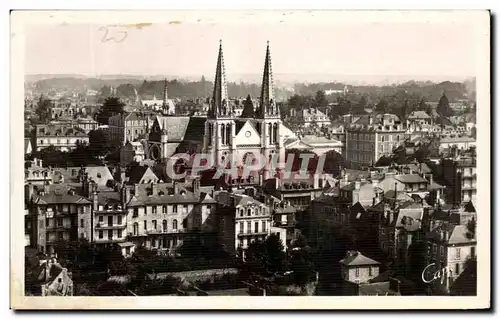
(261, 233)
(109, 241)
(102, 226)
(59, 228)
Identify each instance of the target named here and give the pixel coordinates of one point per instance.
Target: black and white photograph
(252, 154)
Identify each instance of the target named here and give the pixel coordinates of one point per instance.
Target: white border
(17, 250)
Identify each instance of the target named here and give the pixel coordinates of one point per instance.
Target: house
(460, 142)
(460, 177)
(317, 144)
(372, 136)
(450, 248)
(129, 127)
(161, 215)
(57, 213)
(357, 268)
(312, 116)
(132, 152)
(62, 137)
(55, 280)
(250, 218)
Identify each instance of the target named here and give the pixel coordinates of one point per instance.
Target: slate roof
(358, 259)
(410, 179)
(457, 234)
(176, 127)
(418, 115)
(59, 194)
(164, 195)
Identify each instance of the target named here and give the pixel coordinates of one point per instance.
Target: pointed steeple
(268, 106)
(165, 93)
(220, 101)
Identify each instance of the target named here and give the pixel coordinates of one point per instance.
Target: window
(154, 209)
(145, 225)
(110, 234)
(81, 223)
(119, 233)
(174, 224)
(457, 253)
(101, 235)
(119, 221)
(110, 220)
(184, 223)
(457, 269)
(264, 226)
(41, 142)
(241, 228)
(256, 227)
(249, 227)
(101, 219)
(153, 243)
(357, 272)
(164, 226)
(59, 222)
(136, 229)
(370, 271)
(249, 211)
(164, 209)
(175, 209)
(136, 212)
(154, 224)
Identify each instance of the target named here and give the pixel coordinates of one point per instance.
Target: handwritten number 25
(113, 35)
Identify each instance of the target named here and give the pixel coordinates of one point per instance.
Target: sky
(190, 48)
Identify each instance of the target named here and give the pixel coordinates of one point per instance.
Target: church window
(228, 134)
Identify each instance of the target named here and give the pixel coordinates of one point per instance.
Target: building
(57, 213)
(86, 124)
(243, 139)
(450, 248)
(60, 136)
(460, 142)
(357, 268)
(371, 137)
(160, 215)
(166, 106)
(460, 177)
(317, 144)
(311, 117)
(129, 127)
(250, 218)
(55, 279)
(132, 152)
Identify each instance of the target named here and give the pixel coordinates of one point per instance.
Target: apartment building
(372, 136)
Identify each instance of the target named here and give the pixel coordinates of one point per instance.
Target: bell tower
(220, 127)
(268, 116)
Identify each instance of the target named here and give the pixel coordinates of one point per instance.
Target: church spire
(165, 93)
(220, 100)
(268, 106)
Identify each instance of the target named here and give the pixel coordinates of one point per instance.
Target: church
(245, 139)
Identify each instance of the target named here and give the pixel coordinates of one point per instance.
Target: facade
(357, 268)
(252, 218)
(160, 216)
(60, 136)
(132, 152)
(57, 213)
(371, 137)
(461, 178)
(243, 139)
(450, 247)
(312, 117)
(129, 127)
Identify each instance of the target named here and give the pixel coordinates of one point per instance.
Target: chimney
(136, 189)
(370, 119)
(196, 186)
(153, 188)
(357, 185)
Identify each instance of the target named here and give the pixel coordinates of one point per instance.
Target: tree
(110, 107)
(382, 106)
(443, 108)
(99, 142)
(248, 109)
(275, 253)
(320, 100)
(43, 108)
